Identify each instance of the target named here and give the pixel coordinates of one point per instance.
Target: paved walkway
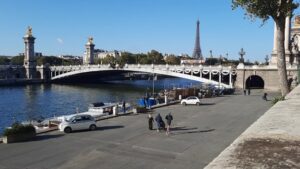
(273, 141)
(199, 134)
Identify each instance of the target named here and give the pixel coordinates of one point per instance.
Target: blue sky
(63, 26)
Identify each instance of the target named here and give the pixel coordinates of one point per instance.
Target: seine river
(21, 103)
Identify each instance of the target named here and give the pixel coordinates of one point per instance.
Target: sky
(168, 26)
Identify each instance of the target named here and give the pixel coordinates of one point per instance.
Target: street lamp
(220, 59)
(267, 60)
(211, 56)
(242, 53)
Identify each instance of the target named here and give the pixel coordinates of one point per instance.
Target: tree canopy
(4, 60)
(264, 9)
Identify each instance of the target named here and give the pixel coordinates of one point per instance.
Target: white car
(78, 122)
(191, 100)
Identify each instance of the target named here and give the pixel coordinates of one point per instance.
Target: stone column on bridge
(29, 56)
(287, 38)
(200, 70)
(220, 75)
(89, 57)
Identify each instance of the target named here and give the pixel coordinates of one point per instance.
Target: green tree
(172, 60)
(128, 58)
(4, 60)
(155, 57)
(108, 59)
(142, 58)
(17, 60)
(278, 10)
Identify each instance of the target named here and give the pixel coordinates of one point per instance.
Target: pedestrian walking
(249, 91)
(159, 122)
(265, 97)
(245, 92)
(150, 122)
(124, 106)
(169, 119)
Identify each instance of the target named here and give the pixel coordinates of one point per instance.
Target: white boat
(101, 109)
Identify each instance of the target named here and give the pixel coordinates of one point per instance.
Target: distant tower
(29, 57)
(197, 54)
(89, 57)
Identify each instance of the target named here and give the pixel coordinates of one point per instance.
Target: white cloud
(60, 41)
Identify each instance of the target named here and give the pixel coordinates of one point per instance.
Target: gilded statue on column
(29, 31)
(91, 40)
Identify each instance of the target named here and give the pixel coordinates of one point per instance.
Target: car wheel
(68, 130)
(93, 127)
(198, 104)
(184, 103)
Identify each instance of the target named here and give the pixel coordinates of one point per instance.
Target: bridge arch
(255, 82)
(191, 73)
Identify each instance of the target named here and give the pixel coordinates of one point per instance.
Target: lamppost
(153, 85)
(267, 60)
(211, 56)
(242, 53)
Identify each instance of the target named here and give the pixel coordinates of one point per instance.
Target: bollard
(166, 99)
(115, 110)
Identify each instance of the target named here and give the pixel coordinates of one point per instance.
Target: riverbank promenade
(273, 141)
(199, 134)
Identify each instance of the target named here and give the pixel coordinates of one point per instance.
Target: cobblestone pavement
(199, 134)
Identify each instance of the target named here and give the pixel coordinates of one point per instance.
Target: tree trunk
(281, 64)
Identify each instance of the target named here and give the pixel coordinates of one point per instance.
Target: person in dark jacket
(150, 122)
(265, 97)
(159, 121)
(124, 106)
(169, 119)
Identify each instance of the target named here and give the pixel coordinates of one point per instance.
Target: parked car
(78, 122)
(191, 100)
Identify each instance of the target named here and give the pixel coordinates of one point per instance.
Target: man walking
(124, 106)
(169, 119)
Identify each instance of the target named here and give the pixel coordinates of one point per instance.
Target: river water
(21, 103)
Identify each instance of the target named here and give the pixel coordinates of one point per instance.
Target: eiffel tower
(197, 54)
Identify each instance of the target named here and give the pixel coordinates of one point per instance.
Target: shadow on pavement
(207, 104)
(183, 128)
(188, 130)
(109, 127)
(46, 137)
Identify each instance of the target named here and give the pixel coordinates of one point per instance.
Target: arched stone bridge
(212, 75)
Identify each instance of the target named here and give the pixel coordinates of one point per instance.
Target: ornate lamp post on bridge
(242, 53)
(221, 59)
(267, 60)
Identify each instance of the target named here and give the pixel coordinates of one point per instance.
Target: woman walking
(150, 122)
(169, 119)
